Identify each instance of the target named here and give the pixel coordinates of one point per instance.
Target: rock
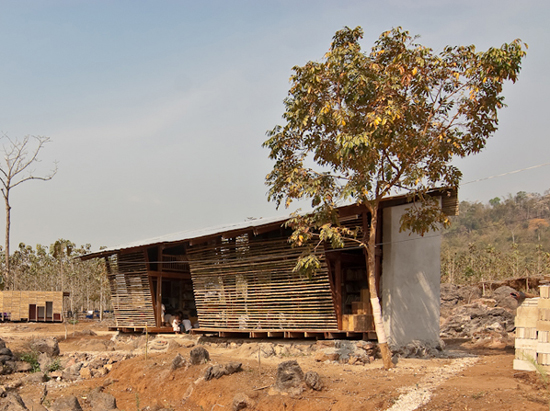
(504, 299)
(289, 376)
(476, 319)
(35, 378)
(242, 401)
(101, 401)
(178, 362)
(46, 345)
(66, 404)
(313, 380)
(322, 356)
(199, 355)
(73, 372)
(45, 361)
(469, 293)
(417, 349)
(22, 366)
(4, 358)
(267, 350)
(6, 351)
(218, 371)
(85, 373)
(12, 402)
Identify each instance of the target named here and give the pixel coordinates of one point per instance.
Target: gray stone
(313, 380)
(504, 299)
(199, 355)
(4, 358)
(46, 345)
(22, 366)
(178, 362)
(6, 351)
(12, 402)
(66, 404)
(218, 371)
(73, 372)
(289, 376)
(101, 401)
(35, 378)
(45, 361)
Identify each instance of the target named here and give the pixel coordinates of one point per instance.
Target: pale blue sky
(157, 109)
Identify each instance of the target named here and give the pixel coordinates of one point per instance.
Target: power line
(505, 174)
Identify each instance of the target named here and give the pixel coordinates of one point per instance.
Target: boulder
(504, 299)
(178, 362)
(101, 401)
(46, 345)
(289, 376)
(313, 381)
(66, 404)
(199, 355)
(12, 402)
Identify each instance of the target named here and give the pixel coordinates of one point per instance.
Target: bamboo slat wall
(130, 291)
(250, 285)
(15, 304)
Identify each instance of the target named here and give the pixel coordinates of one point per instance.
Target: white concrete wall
(410, 282)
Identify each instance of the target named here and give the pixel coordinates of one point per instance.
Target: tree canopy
(361, 125)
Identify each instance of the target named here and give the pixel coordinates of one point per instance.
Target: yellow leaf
(415, 70)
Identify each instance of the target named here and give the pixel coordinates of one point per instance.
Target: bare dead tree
(15, 169)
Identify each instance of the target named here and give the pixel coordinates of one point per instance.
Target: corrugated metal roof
(191, 234)
(243, 226)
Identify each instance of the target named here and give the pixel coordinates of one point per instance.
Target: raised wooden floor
(275, 333)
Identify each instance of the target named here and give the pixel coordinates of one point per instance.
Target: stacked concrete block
(533, 332)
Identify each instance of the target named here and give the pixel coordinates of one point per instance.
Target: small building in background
(47, 306)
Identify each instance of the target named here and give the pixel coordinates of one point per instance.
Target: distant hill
(508, 237)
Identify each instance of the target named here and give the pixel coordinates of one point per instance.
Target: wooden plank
(275, 334)
(314, 334)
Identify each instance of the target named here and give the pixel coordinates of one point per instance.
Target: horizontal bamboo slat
(130, 291)
(242, 284)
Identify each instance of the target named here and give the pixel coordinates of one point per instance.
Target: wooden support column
(338, 289)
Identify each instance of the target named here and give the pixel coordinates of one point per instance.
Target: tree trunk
(7, 242)
(373, 291)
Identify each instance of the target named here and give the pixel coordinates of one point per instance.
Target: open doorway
(348, 272)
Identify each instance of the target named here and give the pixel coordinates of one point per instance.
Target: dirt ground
(465, 378)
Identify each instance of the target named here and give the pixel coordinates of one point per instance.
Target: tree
(19, 156)
(360, 126)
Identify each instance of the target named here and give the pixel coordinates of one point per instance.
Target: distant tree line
(507, 238)
(58, 268)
